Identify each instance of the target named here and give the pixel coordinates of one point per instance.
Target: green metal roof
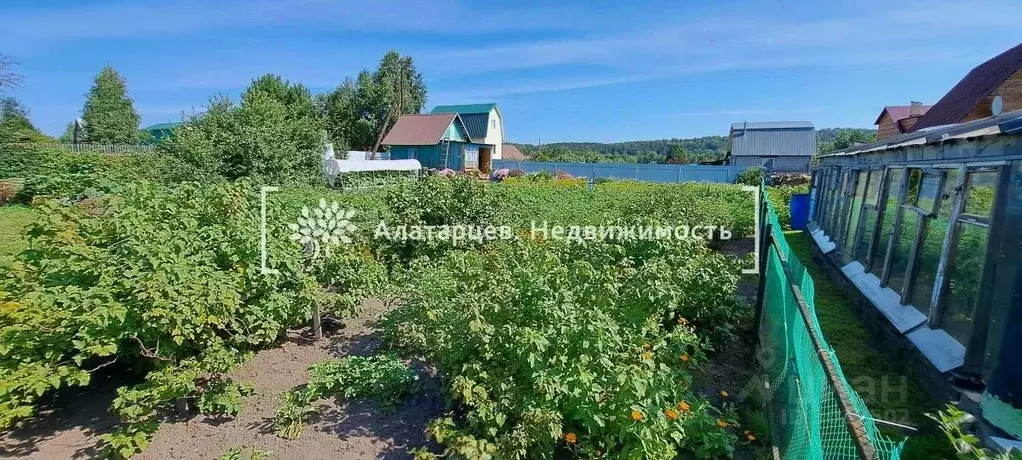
(475, 124)
(162, 126)
(464, 108)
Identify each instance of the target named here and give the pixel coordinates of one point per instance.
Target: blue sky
(561, 71)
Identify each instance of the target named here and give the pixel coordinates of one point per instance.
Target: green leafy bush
(586, 349)
(223, 397)
(385, 379)
(753, 176)
(382, 378)
(63, 174)
(780, 199)
(295, 408)
(273, 135)
(440, 201)
(238, 453)
(158, 280)
(362, 179)
(573, 202)
(966, 445)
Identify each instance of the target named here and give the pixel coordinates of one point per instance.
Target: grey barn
(777, 146)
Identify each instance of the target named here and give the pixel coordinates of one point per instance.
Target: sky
(560, 71)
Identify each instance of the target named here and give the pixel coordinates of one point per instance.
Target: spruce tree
(110, 116)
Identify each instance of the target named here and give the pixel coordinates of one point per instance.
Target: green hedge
(780, 198)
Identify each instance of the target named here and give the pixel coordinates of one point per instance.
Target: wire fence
(664, 173)
(112, 149)
(814, 412)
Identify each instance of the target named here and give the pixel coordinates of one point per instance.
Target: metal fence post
(765, 246)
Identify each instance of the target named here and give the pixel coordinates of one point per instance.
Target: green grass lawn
(13, 222)
(883, 382)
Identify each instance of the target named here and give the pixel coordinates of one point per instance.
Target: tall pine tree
(110, 116)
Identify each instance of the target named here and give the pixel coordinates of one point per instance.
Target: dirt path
(340, 430)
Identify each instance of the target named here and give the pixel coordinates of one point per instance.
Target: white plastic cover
(343, 166)
(333, 167)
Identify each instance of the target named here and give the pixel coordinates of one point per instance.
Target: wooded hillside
(675, 150)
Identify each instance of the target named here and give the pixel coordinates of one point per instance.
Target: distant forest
(680, 151)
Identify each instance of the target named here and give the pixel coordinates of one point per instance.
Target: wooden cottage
(439, 141)
(992, 88)
(899, 119)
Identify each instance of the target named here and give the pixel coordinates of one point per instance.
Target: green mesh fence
(806, 417)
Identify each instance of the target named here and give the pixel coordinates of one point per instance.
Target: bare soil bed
(353, 430)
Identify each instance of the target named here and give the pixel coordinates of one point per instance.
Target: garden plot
(602, 349)
(342, 429)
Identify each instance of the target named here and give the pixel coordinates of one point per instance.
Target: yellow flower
(682, 321)
(570, 438)
(721, 423)
(647, 356)
(750, 437)
(636, 415)
(671, 414)
(724, 394)
(685, 358)
(683, 406)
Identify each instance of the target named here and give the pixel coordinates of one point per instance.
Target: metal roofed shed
(513, 153)
(439, 141)
(419, 129)
(777, 146)
(926, 228)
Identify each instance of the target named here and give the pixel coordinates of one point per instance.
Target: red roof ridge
(971, 90)
(898, 112)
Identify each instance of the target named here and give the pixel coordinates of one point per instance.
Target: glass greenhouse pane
(929, 189)
(903, 251)
(932, 244)
(915, 177)
(895, 178)
(869, 217)
(855, 205)
(982, 187)
(964, 280)
(873, 188)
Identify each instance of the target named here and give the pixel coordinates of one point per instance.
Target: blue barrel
(799, 211)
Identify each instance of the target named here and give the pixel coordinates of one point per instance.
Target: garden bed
(72, 428)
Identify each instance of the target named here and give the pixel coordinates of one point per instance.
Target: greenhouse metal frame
(928, 227)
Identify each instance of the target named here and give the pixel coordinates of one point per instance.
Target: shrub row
(166, 281)
(587, 350)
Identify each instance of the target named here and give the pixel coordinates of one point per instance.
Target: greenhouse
(927, 228)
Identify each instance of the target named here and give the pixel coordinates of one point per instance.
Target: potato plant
(383, 378)
(588, 349)
(165, 281)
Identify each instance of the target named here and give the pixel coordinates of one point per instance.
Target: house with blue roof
(776, 146)
(484, 122)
